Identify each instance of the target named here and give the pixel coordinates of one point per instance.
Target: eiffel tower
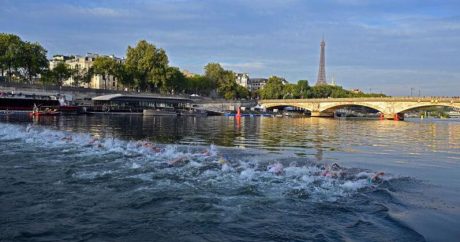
(322, 66)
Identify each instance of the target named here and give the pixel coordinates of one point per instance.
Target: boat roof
(118, 96)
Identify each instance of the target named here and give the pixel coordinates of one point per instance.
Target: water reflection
(303, 136)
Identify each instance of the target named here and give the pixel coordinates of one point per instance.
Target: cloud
(408, 25)
(244, 66)
(398, 82)
(98, 12)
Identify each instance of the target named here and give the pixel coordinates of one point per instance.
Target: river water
(134, 178)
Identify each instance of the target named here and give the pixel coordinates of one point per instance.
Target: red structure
(238, 112)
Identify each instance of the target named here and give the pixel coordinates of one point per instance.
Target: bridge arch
(283, 105)
(333, 107)
(389, 107)
(426, 105)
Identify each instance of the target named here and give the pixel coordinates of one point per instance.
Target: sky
(390, 46)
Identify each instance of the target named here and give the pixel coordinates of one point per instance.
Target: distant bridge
(389, 107)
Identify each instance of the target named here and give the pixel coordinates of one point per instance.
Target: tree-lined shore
(146, 68)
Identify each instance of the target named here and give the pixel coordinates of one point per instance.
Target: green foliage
(24, 60)
(303, 88)
(61, 73)
(10, 46)
(224, 81)
(123, 74)
(174, 82)
(105, 66)
(274, 89)
(214, 72)
(324, 91)
(198, 84)
(242, 92)
(83, 75)
(57, 75)
(147, 64)
(291, 91)
(47, 77)
(32, 59)
(227, 86)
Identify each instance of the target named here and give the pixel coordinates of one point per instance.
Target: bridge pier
(322, 114)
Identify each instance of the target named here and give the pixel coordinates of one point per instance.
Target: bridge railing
(373, 99)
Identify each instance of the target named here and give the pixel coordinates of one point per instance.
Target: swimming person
(95, 141)
(206, 152)
(335, 167)
(225, 166)
(67, 138)
(177, 160)
(149, 145)
(334, 171)
(35, 109)
(377, 177)
(276, 168)
(222, 160)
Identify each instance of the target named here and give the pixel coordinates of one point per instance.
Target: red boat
(44, 113)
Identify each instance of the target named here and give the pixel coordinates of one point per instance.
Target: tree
(291, 91)
(10, 49)
(123, 75)
(242, 92)
(60, 73)
(148, 65)
(83, 75)
(22, 59)
(227, 86)
(3, 49)
(224, 81)
(274, 89)
(198, 84)
(303, 88)
(175, 81)
(321, 91)
(214, 73)
(32, 59)
(47, 77)
(105, 66)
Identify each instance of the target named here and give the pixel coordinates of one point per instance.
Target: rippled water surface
(131, 178)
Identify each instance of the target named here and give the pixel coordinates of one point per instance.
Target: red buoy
(238, 112)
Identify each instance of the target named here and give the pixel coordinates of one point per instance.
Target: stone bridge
(389, 107)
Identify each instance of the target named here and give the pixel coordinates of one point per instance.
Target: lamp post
(411, 90)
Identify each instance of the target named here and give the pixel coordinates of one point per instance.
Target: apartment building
(82, 64)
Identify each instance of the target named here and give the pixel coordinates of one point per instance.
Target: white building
(83, 64)
(242, 79)
(256, 84)
(187, 73)
(253, 84)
